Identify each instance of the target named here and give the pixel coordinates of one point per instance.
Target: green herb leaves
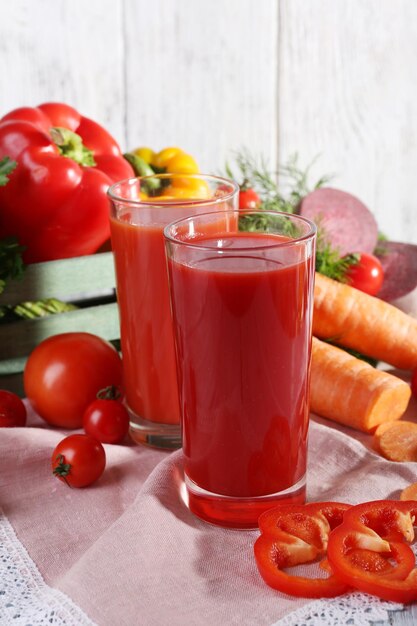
(293, 179)
(11, 263)
(6, 167)
(328, 260)
(286, 198)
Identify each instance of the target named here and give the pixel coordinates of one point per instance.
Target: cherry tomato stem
(109, 393)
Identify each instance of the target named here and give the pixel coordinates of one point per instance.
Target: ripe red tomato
(78, 460)
(12, 409)
(367, 275)
(248, 199)
(64, 373)
(106, 418)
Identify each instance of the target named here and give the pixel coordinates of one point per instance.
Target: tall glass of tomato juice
(242, 306)
(140, 209)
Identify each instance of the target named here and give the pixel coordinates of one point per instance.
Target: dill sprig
(255, 173)
(297, 179)
(267, 222)
(329, 262)
(295, 185)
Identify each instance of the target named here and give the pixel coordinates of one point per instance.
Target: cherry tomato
(64, 373)
(78, 460)
(106, 418)
(248, 199)
(367, 275)
(12, 409)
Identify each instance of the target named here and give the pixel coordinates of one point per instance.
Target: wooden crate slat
(18, 339)
(77, 277)
(89, 279)
(12, 366)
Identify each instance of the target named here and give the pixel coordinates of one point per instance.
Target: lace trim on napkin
(355, 608)
(24, 596)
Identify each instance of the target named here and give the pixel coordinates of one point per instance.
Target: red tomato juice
(243, 329)
(146, 330)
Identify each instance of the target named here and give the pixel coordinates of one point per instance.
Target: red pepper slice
(380, 527)
(291, 535)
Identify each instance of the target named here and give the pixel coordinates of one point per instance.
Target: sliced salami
(399, 262)
(348, 225)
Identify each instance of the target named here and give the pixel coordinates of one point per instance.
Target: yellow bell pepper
(147, 154)
(192, 188)
(171, 160)
(161, 159)
(182, 163)
(175, 161)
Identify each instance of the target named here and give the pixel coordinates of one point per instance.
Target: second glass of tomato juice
(242, 292)
(140, 209)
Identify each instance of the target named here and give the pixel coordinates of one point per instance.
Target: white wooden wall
(335, 78)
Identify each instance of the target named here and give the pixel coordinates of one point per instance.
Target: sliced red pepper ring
(376, 527)
(380, 563)
(311, 522)
(385, 517)
(292, 535)
(368, 560)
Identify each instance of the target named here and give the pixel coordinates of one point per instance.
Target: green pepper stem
(141, 168)
(71, 145)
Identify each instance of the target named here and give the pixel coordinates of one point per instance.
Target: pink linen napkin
(128, 551)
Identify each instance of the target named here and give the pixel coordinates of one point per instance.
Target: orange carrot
(397, 441)
(352, 392)
(364, 323)
(409, 493)
(378, 432)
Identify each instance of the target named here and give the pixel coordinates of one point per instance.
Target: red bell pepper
(55, 202)
(377, 527)
(291, 535)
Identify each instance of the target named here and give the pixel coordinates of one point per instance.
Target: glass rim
(279, 244)
(181, 201)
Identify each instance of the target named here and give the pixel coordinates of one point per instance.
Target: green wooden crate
(87, 280)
